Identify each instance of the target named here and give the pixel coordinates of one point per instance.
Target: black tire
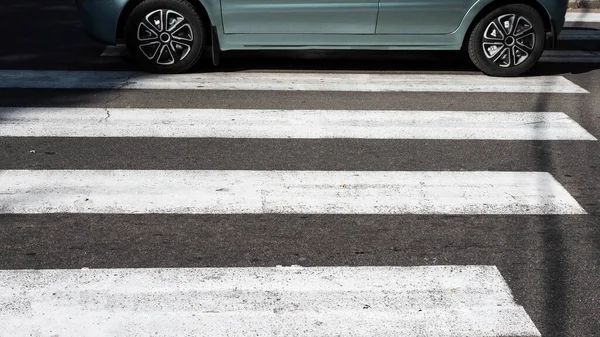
(516, 50)
(176, 44)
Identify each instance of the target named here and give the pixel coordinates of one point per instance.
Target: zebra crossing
(582, 17)
(300, 301)
(298, 124)
(329, 82)
(283, 192)
(449, 300)
(361, 301)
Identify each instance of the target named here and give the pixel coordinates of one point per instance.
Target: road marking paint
(566, 56)
(285, 82)
(579, 34)
(285, 192)
(281, 301)
(582, 17)
(226, 123)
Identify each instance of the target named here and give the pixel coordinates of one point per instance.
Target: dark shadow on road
(337, 60)
(556, 303)
(406, 61)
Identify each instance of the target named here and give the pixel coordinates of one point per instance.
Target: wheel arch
(200, 7)
(492, 5)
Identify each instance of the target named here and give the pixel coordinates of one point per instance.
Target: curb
(584, 3)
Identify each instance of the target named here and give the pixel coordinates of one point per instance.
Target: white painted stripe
(219, 123)
(288, 192)
(293, 301)
(570, 56)
(579, 34)
(582, 17)
(114, 51)
(285, 82)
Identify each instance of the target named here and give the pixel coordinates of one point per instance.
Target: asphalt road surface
(94, 176)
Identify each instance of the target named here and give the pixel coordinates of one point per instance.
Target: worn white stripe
(289, 192)
(285, 82)
(292, 301)
(226, 123)
(582, 17)
(579, 34)
(570, 56)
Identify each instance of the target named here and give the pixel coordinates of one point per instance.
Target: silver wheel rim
(509, 40)
(165, 37)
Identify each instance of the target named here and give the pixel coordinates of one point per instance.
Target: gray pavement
(584, 4)
(550, 262)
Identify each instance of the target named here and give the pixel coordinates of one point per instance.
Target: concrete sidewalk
(584, 4)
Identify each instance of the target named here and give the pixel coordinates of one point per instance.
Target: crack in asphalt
(118, 95)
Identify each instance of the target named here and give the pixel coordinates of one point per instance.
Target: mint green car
(502, 37)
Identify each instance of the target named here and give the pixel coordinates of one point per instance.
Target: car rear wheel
(165, 36)
(508, 41)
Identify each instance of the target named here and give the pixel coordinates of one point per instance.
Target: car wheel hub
(509, 40)
(165, 37)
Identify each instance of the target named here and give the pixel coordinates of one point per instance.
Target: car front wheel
(508, 41)
(164, 36)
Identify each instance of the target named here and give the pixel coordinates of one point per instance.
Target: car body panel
(101, 21)
(299, 16)
(412, 17)
(451, 41)
(337, 41)
(556, 10)
(100, 18)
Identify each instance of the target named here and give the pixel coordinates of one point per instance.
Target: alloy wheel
(165, 37)
(509, 40)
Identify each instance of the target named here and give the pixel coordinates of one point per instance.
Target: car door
(421, 16)
(299, 16)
